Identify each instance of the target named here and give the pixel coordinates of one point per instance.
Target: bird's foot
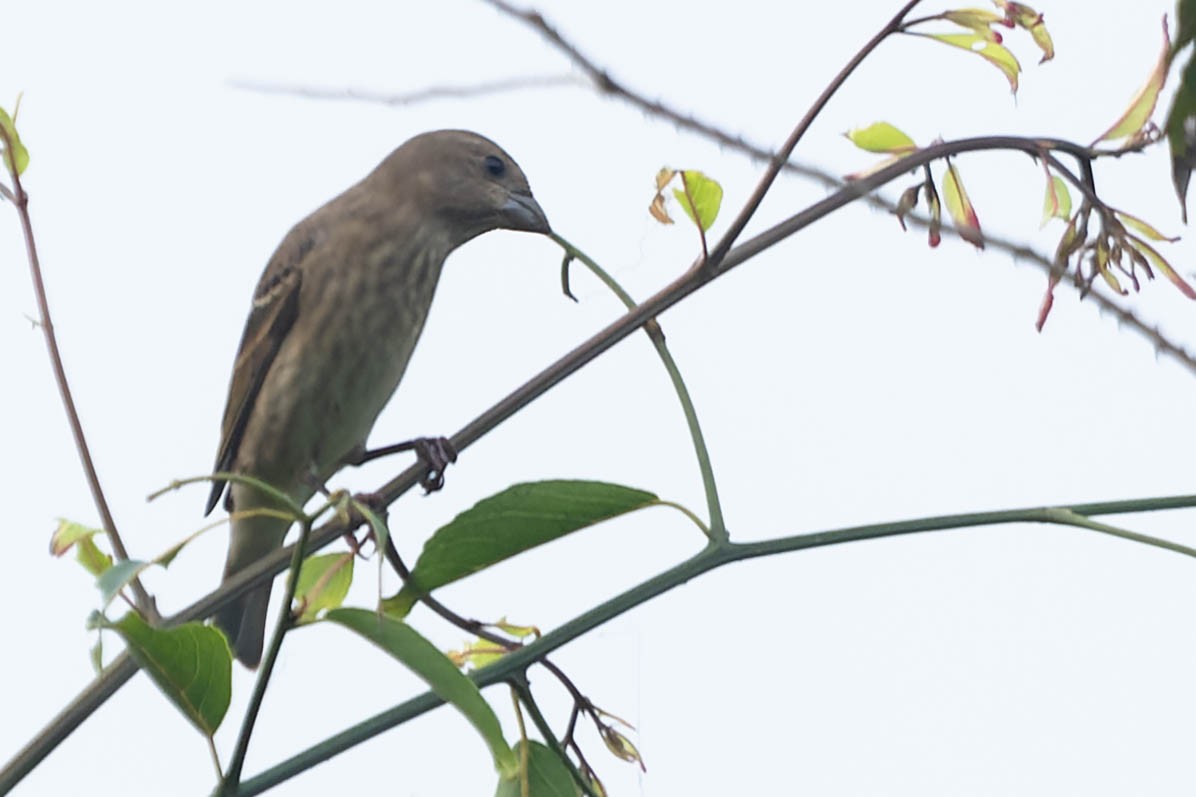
(436, 453)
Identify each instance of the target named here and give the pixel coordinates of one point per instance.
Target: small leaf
(976, 19)
(700, 198)
(960, 208)
(323, 584)
(906, 203)
(996, 54)
(421, 657)
(1142, 227)
(1131, 123)
(657, 208)
(67, 534)
(621, 747)
(96, 655)
(117, 577)
(477, 654)
(75, 535)
(1027, 18)
(518, 631)
(934, 233)
(546, 776)
(1100, 262)
(881, 137)
(18, 159)
(191, 664)
(1160, 262)
(519, 518)
(1057, 203)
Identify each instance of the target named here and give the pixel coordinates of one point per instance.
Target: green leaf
(421, 657)
(191, 664)
(547, 775)
(881, 137)
(323, 584)
(503, 525)
(18, 158)
(1181, 132)
(700, 199)
(117, 577)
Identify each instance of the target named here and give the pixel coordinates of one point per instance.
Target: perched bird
(334, 320)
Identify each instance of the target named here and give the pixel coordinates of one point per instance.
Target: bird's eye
(495, 166)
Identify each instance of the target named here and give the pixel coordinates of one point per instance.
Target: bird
(334, 319)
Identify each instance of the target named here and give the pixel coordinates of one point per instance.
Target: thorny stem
(604, 83)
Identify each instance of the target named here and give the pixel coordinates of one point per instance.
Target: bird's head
(464, 180)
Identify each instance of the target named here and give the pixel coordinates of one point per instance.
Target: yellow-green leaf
(1027, 18)
(1142, 227)
(960, 208)
(1135, 117)
(1057, 203)
(977, 19)
(881, 137)
(700, 198)
(1160, 262)
(996, 54)
(323, 584)
(18, 158)
(70, 535)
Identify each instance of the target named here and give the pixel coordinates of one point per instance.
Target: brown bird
(334, 320)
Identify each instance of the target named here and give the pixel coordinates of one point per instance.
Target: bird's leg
(434, 452)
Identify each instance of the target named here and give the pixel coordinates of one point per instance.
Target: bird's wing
(275, 308)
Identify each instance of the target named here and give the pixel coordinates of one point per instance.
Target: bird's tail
(244, 620)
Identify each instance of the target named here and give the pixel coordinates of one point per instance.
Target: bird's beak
(522, 212)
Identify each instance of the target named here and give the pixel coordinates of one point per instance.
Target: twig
(411, 97)
(605, 84)
(20, 201)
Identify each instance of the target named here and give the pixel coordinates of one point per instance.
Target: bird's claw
(436, 453)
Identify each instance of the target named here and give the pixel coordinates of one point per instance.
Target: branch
(20, 201)
(411, 97)
(603, 83)
(696, 277)
(712, 557)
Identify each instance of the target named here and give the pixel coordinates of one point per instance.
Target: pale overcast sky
(850, 375)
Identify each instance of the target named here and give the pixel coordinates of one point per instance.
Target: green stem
(713, 556)
(233, 776)
(520, 685)
(717, 529)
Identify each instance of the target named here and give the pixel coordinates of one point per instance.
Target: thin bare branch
(412, 97)
(20, 201)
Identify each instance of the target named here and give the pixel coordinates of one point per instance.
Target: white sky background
(849, 375)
